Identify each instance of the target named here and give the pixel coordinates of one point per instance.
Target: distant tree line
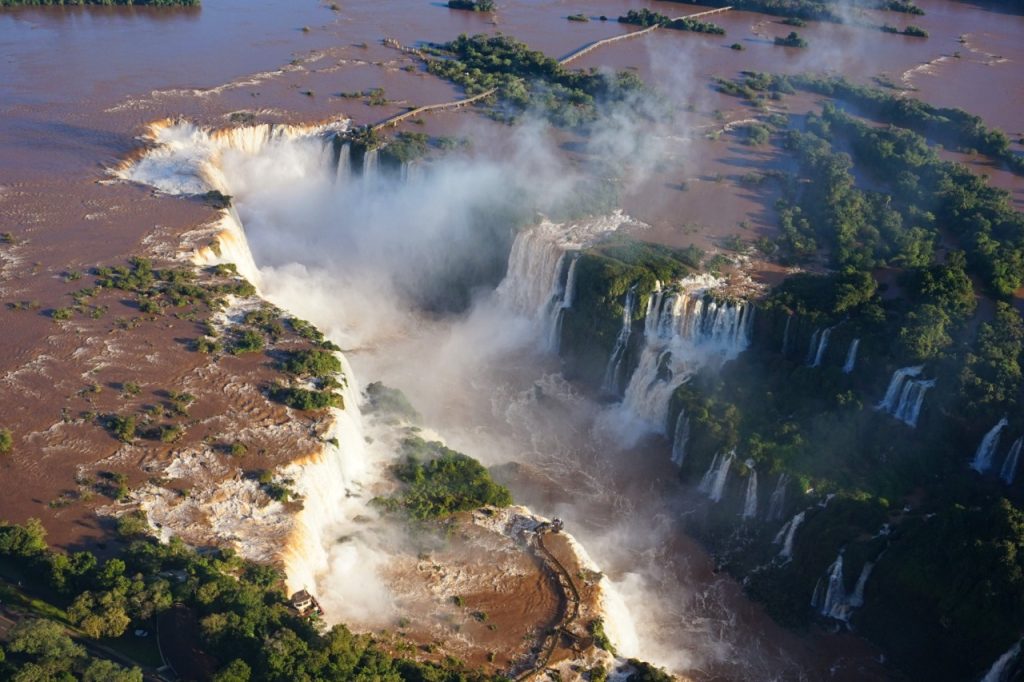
(105, 3)
(645, 17)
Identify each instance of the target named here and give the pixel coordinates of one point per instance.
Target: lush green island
(645, 18)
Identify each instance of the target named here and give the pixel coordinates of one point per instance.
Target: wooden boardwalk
(393, 121)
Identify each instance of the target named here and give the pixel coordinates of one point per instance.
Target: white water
(777, 501)
(680, 438)
(613, 372)
(856, 599)
(905, 395)
(834, 601)
(1008, 473)
(982, 461)
(750, 499)
(787, 534)
(851, 357)
(686, 328)
(812, 347)
(819, 355)
(715, 478)
(999, 670)
(785, 335)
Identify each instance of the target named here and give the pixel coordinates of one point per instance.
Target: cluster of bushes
(904, 6)
(105, 3)
(792, 40)
(390, 402)
(527, 78)
(819, 10)
(645, 17)
(472, 5)
(440, 482)
(911, 30)
(245, 622)
(156, 289)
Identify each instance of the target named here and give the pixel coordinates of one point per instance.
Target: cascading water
(750, 500)
(833, 603)
(856, 599)
(777, 501)
(905, 395)
(1008, 473)
(851, 357)
(1000, 670)
(787, 534)
(785, 335)
(714, 480)
(686, 327)
(819, 355)
(343, 173)
(982, 461)
(371, 167)
(540, 279)
(613, 372)
(812, 348)
(680, 438)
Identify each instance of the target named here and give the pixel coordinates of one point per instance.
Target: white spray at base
(1001, 668)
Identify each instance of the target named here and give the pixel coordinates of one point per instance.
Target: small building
(302, 601)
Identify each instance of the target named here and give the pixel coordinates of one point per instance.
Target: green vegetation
(645, 17)
(818, 10)
(645, 672)
(578, 17)
(6, 441)
(526, 78)
(472, 5)
(244, 620)
(306, 399)
(315, 364)
(911, 30)
(389, 401)
(792, 40)
(440, 481)
(904, 6)
(794, 21)
(405, 147)
(122, 427)
(596, 630)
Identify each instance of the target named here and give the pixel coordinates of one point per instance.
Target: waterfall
(812, 347)
(540, 279)
(680, 438)
(371, 162)
(834, 604)
(982, 461)
(750, 501)
(822, 346)
(856, 599)
(1009, 471)
(905, 395)
(851, 357)
(998, 671)
(787, 534)
(785, 335)
(686, 327)
(713, 482)
(613, 372)
(343, 173)
(777, 501)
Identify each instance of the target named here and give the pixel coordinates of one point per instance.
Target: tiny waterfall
(787, 534)
(998, 671)
(1009, 471)
(812, 348)
(680, 438)
(371, 166)
(785, 335)
(750, 500)
(833, 605)
(851, 357)
(777, 501)
(343, 173)
(613, 372)
(714, 480)
(556, 312)
(686, 327)
(819, 355)
(905, 395)
(856, 599)
(982, 461)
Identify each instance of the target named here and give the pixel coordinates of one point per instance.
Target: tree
(43, 639)
(235, 671)
(926, 334)
(23, 541)
(992, 375)
(102, 670)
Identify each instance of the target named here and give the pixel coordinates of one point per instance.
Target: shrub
(6, 441)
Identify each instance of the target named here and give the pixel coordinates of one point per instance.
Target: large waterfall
(982, 461)
(851, 357)
(905, 395)
(750, 500)
(713, 482)
(777, 501)
(613, 372)
(686, 326)
(787, 534)
(540, 279)
(1001, 668)
(680, 438)
(1009, 470)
